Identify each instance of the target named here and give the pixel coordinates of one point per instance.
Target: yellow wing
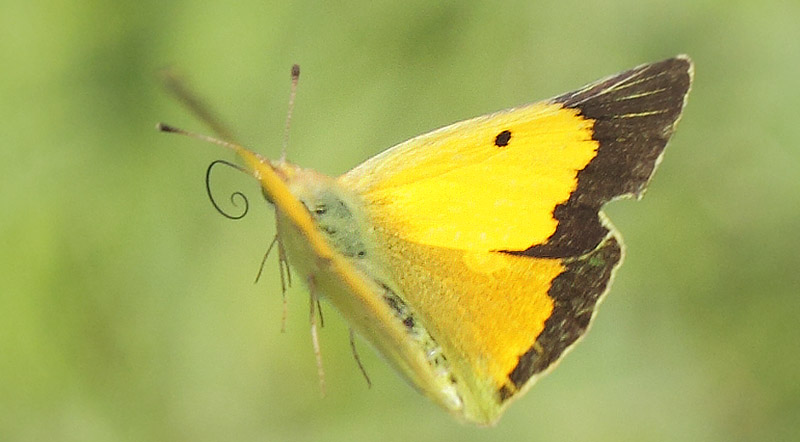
(494, 182)
(501, 320)
(489, 183)
(491, 228)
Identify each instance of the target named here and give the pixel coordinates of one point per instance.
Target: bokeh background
(127, 305)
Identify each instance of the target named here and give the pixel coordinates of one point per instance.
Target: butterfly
(473, 257)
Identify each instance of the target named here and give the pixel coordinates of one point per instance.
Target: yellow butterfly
(474, 257)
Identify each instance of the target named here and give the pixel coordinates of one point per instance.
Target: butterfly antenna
(176, 130)
(178, 87)
(293, 93)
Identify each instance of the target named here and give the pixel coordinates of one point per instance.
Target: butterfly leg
(358, 359)
(314, 305)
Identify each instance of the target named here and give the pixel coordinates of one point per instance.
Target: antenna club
(162, 127)
(295, 77)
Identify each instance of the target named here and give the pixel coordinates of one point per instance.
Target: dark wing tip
(634, 114)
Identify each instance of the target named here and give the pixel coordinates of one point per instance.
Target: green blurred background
(127, 308)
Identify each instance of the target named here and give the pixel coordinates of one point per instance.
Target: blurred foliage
(127, 310)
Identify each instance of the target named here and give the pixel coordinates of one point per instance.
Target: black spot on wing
(634, 115)
(502, 138)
